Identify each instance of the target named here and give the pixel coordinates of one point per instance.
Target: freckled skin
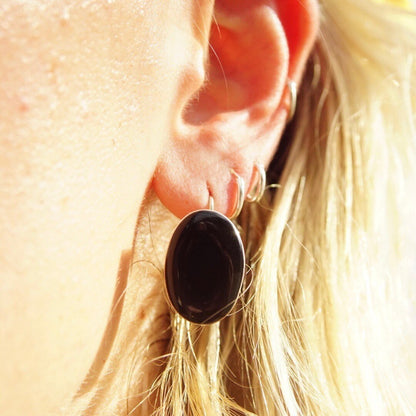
(88, 93)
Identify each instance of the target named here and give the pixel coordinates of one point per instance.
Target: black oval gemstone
(204, 267)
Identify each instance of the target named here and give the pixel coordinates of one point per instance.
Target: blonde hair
(324, 325)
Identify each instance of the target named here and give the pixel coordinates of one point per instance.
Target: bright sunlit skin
(88, 93)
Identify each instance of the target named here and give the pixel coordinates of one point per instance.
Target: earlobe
(235, 120)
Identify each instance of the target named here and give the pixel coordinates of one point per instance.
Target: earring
(293, 98)
(205, 263)
(257, 192)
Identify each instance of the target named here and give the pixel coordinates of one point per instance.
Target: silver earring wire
(257, 192)
(240, 196)
(293, 98)
(211, 203)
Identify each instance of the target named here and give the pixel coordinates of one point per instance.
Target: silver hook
(293, 98)
(240, 196)
(258, 189)
(211, 203)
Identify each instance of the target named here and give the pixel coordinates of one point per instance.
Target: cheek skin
(85, 108)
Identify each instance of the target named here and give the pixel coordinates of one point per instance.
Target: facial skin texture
(88, 93)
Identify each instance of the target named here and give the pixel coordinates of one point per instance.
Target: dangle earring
(205, 263)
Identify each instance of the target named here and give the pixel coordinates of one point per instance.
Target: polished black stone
(204, 267)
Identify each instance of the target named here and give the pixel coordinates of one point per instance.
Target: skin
(95, 97)
(88, 94)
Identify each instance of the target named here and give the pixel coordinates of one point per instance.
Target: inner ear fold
(247, 64)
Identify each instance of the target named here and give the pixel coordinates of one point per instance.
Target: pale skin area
(88, 92)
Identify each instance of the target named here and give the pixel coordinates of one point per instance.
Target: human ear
(235, 119)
